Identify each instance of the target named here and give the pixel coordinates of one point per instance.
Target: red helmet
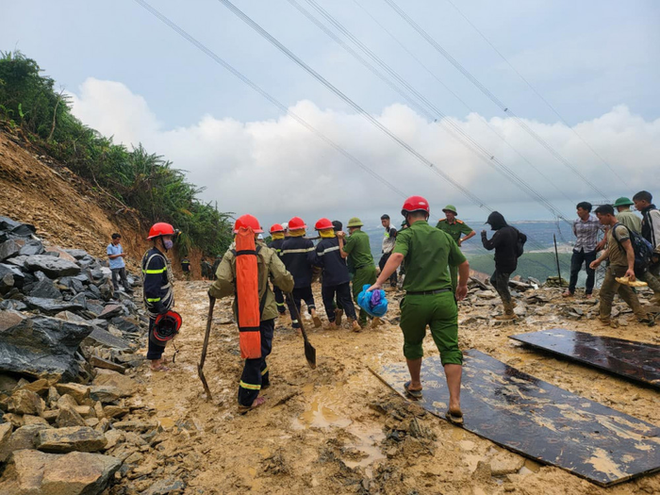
(276, 228)
(166, 327)
(415, 203)
(324, 224)
(160, 228)
(296, 223)
(248, 221)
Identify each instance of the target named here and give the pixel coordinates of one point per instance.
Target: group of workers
(436, 276)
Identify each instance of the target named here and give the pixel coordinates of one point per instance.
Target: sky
(594, 61)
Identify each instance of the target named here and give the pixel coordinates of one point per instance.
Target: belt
(427, 292)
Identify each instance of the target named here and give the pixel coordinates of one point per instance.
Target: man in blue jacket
(157, 278)
(336, 279)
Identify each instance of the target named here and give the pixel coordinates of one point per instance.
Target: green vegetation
(537, 265)
(140, 180)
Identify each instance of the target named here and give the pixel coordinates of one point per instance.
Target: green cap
(623, 201)
(355, 222)
(451, 208)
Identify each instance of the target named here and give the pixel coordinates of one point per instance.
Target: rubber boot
(508, 313)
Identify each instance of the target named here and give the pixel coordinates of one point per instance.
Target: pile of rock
(66, 338)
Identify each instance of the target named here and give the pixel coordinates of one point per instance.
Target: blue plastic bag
(374, 302)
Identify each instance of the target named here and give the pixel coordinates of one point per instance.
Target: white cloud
(277, 168)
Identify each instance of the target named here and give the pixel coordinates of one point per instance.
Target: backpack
(520, 242)
(642, 248)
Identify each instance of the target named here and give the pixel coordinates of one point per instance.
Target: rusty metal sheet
(636, 361)
(540, 421)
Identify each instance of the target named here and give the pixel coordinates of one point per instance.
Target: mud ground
(338, 429)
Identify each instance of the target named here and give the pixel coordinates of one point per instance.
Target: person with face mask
(157, 278)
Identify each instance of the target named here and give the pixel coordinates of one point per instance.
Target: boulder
(40, 345)
(17, 261)
(25, 402)
(12, 304)
(98, 336)
(77, 253)
(111, 311)
(77, 391)
(52, 306)
(25, 437)
(45, 289)
(32, 472)
(51, 266)
(39, 386)
(31, 248)
(126, 324)
(6, 283)
(15, 272)
(80, 438)
(165, 487)
(68, 416)
(110, 386)
(9, 249)
(61, 253)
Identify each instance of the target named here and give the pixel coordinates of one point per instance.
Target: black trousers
(154, 351)
(344, 300)
(255, 374)
(500, 281)
(577, 259)
(120, 273)
(381, 265)
(300, 294)
(279, 300)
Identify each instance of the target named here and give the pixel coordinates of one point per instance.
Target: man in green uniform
(358, 251)
(429, 298)
(627, 217)
(456, 229)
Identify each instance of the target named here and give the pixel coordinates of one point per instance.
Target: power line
(453, 129)
(181, 32)
(490, 95)
(612, 169)
(455, 95)
(275, 42)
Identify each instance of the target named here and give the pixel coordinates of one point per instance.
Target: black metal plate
(633, 360)
(540, 421)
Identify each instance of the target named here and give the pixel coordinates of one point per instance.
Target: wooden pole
(554, 237)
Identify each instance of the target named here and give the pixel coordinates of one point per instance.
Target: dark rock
(13, 304)
(45, 289)
(82, 278)
(77, 253)
(76, 473)
(110, 311)
(93, 292)
(9, 249)
(51, 266)
(104, 338)
(125, 324)
(15, 272)
(96, 308)
(40, 345)
(18, 261)
(100, 323)
(31, 248)
(24, 230)
(80, 438)
(7, 224)
(52, 306)
(79, 299)
(97, 274)
(6, 283)
(69, 316)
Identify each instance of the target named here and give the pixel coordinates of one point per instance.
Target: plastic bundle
(374, 302)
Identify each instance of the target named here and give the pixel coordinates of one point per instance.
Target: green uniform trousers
(611, 287)
(363, 276)
(440, 313)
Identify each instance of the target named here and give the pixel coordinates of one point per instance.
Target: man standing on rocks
(157, 278)
(255, 375)
(429, 300)
(586, 229)
(455, 228)
(358, 251)
(117, 264)
(650, 231)
(505, 244)
(622, 264)
(389, 239)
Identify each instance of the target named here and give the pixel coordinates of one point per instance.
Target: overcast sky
(596, 62)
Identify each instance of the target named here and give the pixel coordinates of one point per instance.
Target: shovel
(200, 366)
(310, 352)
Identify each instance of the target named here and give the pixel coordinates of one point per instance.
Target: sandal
(259, 401)
(415, 394)
(160, 367)
(317, 321)
(455, 417)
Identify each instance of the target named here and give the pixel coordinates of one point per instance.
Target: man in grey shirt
(389, 239)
